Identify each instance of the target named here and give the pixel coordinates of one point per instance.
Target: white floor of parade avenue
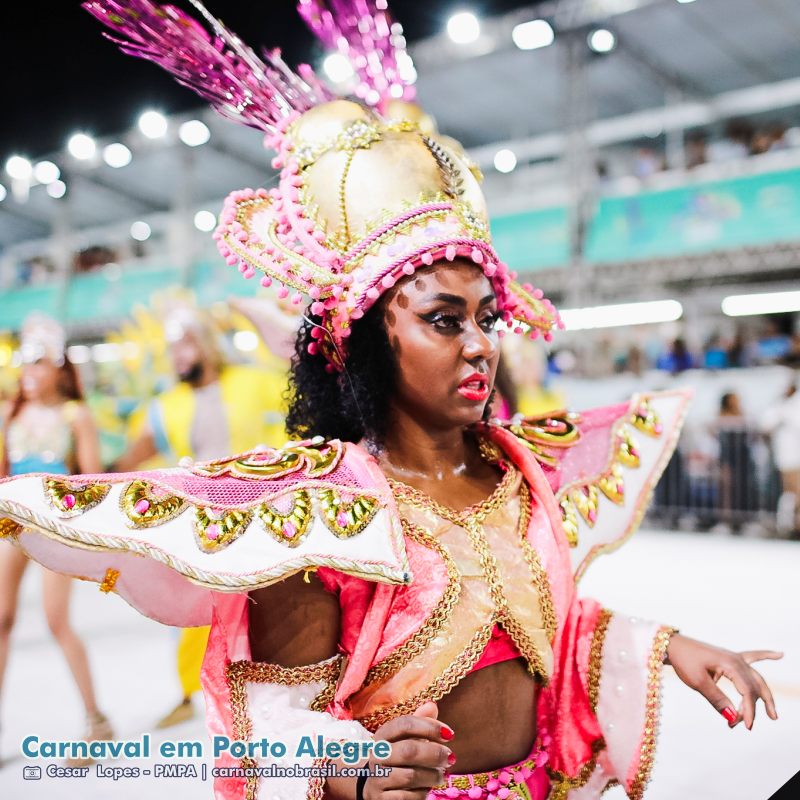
(737, 592)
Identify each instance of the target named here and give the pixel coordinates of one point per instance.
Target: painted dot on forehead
(420, 284)
(402, 300)
(390, 317)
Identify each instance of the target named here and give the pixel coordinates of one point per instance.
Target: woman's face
(441, 326)
(40, 380)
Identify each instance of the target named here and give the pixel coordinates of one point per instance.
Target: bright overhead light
(205, 221)
(19, 168)
(46, 172)
(615, 316)
(193, 133)
(153, 124)
(246, 341)
(463, 27)
(745, 305)
(686, 1)
(3, 193)
(117, 155)
(81, 146)
(105, 352)
(505, 160)
(140, 231)
(533, 35)
(337, 67)
(602, 40)
(56, 189)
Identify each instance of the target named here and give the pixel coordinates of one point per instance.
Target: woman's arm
(87, 444)
(296, 623)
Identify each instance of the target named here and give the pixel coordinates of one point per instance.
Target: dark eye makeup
(449, 321)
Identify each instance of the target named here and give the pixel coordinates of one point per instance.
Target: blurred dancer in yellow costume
(214, 408)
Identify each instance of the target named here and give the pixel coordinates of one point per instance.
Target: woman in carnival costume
(408, 552)
(48, 429)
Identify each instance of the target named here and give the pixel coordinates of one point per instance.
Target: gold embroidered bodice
(493, 577)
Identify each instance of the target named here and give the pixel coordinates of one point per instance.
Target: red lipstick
(475, 387)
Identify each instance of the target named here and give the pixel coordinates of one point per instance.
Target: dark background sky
(61, 75)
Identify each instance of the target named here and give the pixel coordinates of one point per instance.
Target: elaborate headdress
(42, 337)
(361, 200)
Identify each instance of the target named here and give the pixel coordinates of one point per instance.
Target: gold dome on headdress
(359, 170)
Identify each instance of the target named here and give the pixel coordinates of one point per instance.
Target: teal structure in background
(754, 210)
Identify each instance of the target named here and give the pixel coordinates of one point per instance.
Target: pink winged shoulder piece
(603, 465)
(166, 539)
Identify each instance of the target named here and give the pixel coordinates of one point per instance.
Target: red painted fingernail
(451, 759)
(729, 714)
(447, 733)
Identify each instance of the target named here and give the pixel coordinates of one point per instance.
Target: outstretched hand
(700, 666)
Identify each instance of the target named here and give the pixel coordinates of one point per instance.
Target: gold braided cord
(436, 620)
(647, 754)
(596, 656)
(538, 572)
(442, 685)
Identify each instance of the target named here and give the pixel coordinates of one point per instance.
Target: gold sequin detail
(647, 754)
(215, 530)
(563, 784)
(612, 485)
(546, 436)
(160, 508)
(288, 528)
(435, 621)
(69, 498)
(465, 782)
(109, 581)
(596, 656)
(357, 513)
(8, 528)
(645, 419)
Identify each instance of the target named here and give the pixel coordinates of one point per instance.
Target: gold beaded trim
(647, 753)
(8, 528)
(442, 685)
(239, 673)
(645, 419)
(358, 513)
(540, 580)
(109, 580)
(435, 621)
(290, 528)
(69, 499)
(596, 656)
(466, 782)
(215, 530)
(160, 509)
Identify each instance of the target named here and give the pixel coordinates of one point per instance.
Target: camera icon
(32, 773)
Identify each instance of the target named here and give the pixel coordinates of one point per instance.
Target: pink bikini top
(499, 648)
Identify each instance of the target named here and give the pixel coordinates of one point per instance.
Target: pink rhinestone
(452, 791)
(69, 501)
(341, 519)
(475, 793)
(142, 506)
(503, 793)
(289, 529)
(505, 777)
(493, 785)
(213, 532)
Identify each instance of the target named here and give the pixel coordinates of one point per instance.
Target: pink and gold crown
(361, 201)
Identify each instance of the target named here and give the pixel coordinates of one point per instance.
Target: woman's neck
(411, 450)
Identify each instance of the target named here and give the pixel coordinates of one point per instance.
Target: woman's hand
(418, 759)
(701, 665)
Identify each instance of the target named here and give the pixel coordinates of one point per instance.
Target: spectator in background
(646, 163)
(695, 149)
(677, 359)
(783, 424)
(737, 470)
(737, 142)
(714, 354)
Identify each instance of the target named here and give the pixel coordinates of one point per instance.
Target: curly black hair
(349, 405)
